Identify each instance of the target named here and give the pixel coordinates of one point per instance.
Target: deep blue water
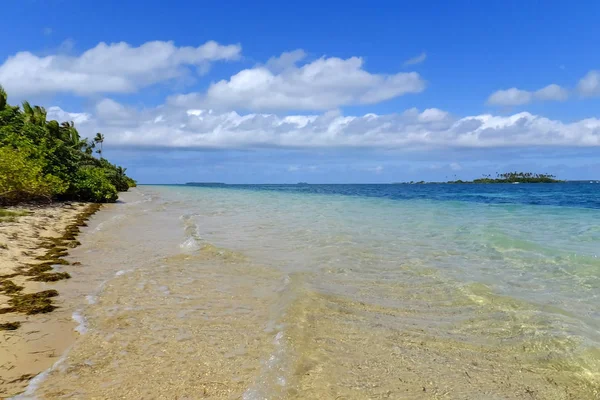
(570, 194)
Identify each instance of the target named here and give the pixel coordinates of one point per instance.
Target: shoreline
(34, 331)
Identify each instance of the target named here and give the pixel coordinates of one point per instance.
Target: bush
(22, 178)
(45, 160)
(91, 184)
(130, 182)
(117, 179)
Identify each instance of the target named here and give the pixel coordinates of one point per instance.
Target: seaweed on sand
(43, 271)
(32, 303)
(9, 287)
(51, 277)
(10, 326)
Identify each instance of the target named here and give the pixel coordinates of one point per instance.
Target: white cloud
(172, 127)
(510, 97)
(455, 166)
(108, 68)
(517, 97)
(589, 85)
(58, 114)
(286, 60)
(433, 115)
(47, 31)
(551, 92)
(377, 170)
(416, 60)
(296, 168)
(323, 84)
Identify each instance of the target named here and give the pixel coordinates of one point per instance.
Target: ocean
(337, 292)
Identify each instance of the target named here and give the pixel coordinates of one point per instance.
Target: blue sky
(319, 92)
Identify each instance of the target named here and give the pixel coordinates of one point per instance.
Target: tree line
(43, 160)
(514, 177)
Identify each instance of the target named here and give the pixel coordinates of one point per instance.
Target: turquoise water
(346, 291)
(539, 243)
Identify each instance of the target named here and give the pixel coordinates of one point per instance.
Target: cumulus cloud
(589, 85)
(298, 168)
(510, 97)
(172, 127)
(377, 169)
(283, 83)
(59, 114)
(517, 97)
(416, 60)
(551, 92)
(108, 68)
(455, 166)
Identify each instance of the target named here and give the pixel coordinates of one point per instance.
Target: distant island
(509, 177)
(205, 184)
(514, 177)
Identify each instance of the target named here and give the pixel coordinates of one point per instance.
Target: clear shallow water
(340, 291)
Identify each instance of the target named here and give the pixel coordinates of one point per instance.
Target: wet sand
(34, 333)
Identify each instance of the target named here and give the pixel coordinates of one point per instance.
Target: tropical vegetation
(43, 160)
(514, 177)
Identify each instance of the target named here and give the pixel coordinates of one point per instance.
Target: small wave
(273, 378)
(82, 327)
(34, 384)
(103, 224)
(193, 239)
(277, 367)
(189, 245)
(146, 198)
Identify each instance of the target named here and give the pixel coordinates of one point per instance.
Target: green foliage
(22, 178)
(2, 98)
(45, 160)
(92, 184)
(130, 182)
(518, 177)
(514, 177)
(116, 175)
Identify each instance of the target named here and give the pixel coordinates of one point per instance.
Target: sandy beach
(34, 333)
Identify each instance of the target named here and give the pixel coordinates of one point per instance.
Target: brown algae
(44, 271)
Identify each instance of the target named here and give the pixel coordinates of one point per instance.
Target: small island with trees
(508, 177)
(513, 177)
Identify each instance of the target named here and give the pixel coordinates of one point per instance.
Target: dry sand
(30, 245)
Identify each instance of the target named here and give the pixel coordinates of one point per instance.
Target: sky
(319, 92)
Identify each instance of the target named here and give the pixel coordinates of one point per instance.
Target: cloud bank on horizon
(290, 101)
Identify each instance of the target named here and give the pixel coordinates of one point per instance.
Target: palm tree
(36, 115)
(27, 111)
(39, 114)
(121, 172)
(70, 136)
(99, 138)
(89, 147)
(54, 129)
